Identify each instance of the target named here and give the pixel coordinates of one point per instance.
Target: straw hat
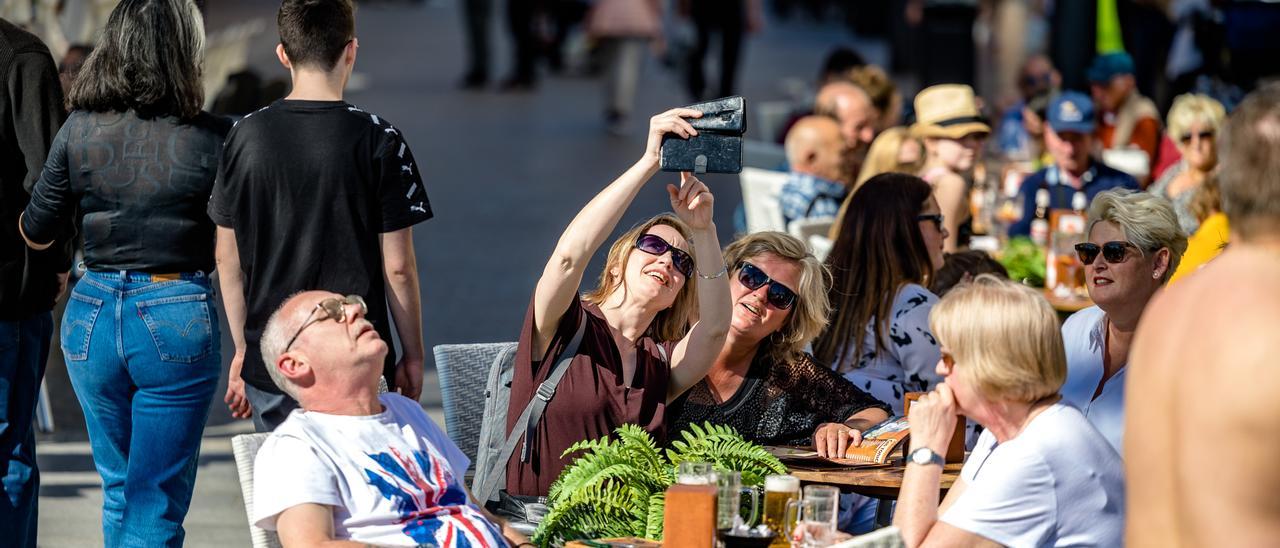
(949, 111)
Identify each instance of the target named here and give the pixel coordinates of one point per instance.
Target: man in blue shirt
(1069, 138)
(818, 181)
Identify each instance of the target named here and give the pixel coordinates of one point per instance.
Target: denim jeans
(24, 349)
(143, 354)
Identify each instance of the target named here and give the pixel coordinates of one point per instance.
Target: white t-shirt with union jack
(392, 479)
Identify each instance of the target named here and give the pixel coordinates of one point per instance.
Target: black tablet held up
(718, 146)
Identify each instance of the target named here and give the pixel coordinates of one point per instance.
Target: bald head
(327, 347)
(852, 107)
(814, 146)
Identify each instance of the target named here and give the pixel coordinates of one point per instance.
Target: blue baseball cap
(1071, 111)
(1109, 65)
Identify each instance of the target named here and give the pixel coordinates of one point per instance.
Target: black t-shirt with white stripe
(308, 187)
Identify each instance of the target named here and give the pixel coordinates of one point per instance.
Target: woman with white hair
(1040, 474)
(1193, 124)
(1134, 247)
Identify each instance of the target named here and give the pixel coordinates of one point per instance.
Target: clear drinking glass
(696, 473)
(733, 501)
(814, 516)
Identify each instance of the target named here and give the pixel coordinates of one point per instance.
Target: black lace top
(776, 404)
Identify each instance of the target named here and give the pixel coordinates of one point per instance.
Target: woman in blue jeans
(132, 169)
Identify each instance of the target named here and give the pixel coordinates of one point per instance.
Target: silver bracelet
(723, 270)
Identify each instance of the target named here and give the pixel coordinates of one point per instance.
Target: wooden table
(1070, 305)
(881, 483)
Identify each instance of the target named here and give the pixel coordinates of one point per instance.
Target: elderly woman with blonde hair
(1040, 474)
(1193, 125)
(763, 383)
(1134, 246)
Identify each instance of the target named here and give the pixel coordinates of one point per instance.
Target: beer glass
(817, 512)
(778, 491)
(696, 473)
(729, 501)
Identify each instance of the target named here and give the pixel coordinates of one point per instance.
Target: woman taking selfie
(641, 346)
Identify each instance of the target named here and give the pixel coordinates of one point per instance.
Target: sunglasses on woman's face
(334, 308)
(1203, 135)
(655, 245)
(779, 296)
(935, 218)
(1112, 252)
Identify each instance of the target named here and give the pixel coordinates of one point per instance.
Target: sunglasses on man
(334, 308)
(779, 296)
(1112, 252)
(655, 245)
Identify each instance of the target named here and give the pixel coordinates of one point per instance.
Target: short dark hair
(958, 265)
(314, 32)
(148, 60)
(1250, 175)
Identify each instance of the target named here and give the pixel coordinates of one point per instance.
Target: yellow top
(1208, 241)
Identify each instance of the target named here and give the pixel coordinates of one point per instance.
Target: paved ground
(505, 174)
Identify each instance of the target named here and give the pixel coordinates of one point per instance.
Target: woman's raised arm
(563, 274)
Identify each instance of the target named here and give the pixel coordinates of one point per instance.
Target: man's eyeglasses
(655, 245)
(936, 218)
(778, 295)
(334, 308)
(1112, 252)
(1203, 135)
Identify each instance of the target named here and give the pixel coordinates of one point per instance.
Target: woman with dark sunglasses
(642, 344)
(1194, 122)
(889, 247)
(132, 170)
(763, 383)
(1134, 245)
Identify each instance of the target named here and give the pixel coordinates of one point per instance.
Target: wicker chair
(463, 371)
(245, 447)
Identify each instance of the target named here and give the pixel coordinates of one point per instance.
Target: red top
(591, 400)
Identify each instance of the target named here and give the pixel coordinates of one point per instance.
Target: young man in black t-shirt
(314, 193)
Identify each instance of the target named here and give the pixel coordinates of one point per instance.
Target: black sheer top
(776, 404)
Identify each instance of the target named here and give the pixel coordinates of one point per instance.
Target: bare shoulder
(1201, 403)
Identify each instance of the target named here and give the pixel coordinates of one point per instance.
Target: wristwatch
(924, 455)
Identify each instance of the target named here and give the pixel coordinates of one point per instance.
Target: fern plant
(617, 487)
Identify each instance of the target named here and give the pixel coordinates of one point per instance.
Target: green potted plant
(617, 487)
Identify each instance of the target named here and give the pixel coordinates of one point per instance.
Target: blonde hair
(810, 313)
(1192, 108)
(879, 87)
(1147, 220)
(882, 157)
(670, 324)
(1004, 338)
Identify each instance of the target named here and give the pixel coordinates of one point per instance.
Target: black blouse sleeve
(52, 201)
(828, 393)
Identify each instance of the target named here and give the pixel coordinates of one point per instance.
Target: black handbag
(718, 146)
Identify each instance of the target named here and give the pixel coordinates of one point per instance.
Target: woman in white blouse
(1040, 474)
(1134, 245)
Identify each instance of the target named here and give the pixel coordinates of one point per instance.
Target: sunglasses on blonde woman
(778, 295)
(653, 244)
(334, 308)
(1112, 252)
